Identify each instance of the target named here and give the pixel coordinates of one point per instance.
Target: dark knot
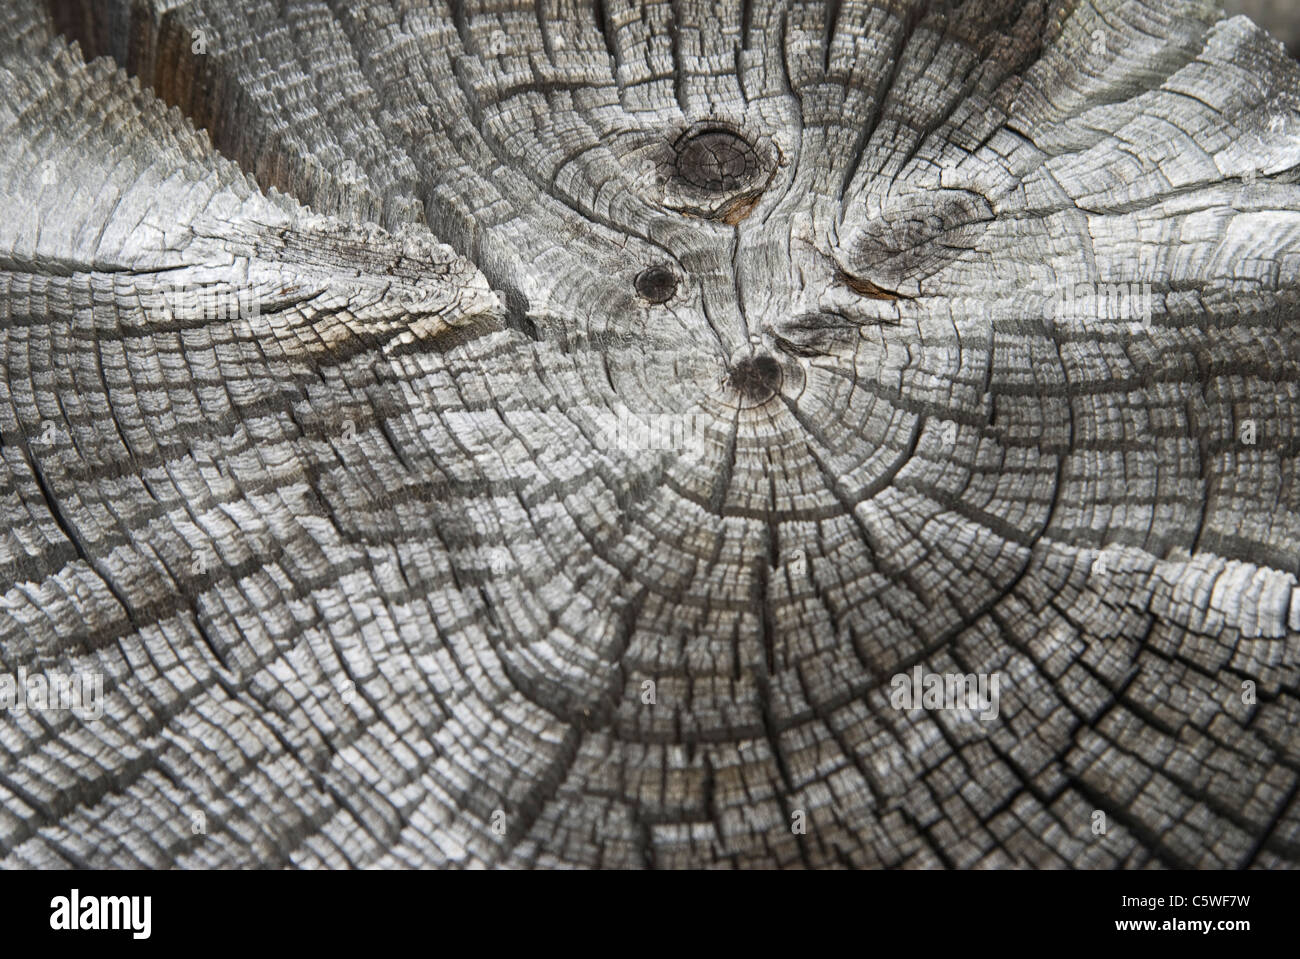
(656, 284)
(716, 160)
(756, 378)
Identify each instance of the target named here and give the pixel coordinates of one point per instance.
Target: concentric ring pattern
(537, 434)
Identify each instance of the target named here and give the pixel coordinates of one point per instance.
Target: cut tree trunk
(538, 433)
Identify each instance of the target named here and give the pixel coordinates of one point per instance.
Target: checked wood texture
(368, 582)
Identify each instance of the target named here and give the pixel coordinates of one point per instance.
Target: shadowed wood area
(551, 433)
(1279, 17)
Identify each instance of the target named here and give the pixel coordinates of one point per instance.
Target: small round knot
(756, 378)
(716, 160)
(656, 284)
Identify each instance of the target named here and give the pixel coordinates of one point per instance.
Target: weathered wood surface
(371, 582)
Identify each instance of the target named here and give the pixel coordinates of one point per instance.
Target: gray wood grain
(390, 391)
